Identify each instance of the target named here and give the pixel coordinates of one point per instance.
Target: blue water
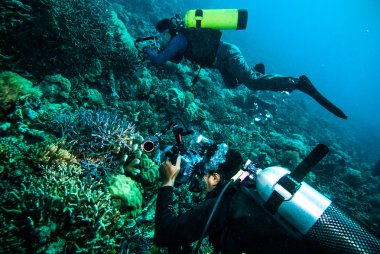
(336, 43)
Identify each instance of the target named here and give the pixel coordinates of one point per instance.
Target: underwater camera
(146, 42)
(191, 155)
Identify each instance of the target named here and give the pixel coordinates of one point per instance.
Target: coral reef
(59, 209)
(125, 189)
(54, 154)
(73, 176)
(55, 86)
(13, 88)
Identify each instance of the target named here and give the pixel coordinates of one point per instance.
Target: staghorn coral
(60, 207)
(13, 14)
(91, 133)
(10, 243)
(102, 141)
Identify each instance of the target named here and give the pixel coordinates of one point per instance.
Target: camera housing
(146, 42)
(192, 155)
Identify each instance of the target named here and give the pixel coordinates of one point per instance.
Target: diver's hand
(169, 172)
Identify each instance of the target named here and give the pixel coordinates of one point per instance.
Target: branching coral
(102, 141)
(93, 133)
(61, 207)
(13, 14)
(55, 154)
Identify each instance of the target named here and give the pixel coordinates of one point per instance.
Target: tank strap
(292, 182)
(274, 202)
(198, 17)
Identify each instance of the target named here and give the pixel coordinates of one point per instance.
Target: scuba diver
(240, 225)
(295, 218)
(204, 47)
(247, 209)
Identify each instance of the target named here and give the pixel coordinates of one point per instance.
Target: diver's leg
(236, 66)
(229, 81)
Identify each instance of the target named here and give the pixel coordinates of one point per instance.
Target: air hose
(212, 215)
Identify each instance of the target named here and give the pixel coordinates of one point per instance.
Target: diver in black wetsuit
(239, 225)
(204, 47)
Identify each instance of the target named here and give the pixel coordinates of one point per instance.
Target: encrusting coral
(14, 87)
(125, 189)
(55, 86)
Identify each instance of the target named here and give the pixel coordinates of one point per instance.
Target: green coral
(175, 97)
(194, 112)
(149, 171)
(55, 86)
(13, 88)
(95, 97)
(125, 189)
(121, 31)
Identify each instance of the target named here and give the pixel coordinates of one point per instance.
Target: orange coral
(56, 155)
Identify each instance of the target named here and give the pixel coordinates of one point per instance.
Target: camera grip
(172, 155)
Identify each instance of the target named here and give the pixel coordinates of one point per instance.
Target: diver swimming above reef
(199, 41)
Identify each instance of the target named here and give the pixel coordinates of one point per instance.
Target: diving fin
(305, 85)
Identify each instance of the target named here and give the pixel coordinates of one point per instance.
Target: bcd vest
(202, 45)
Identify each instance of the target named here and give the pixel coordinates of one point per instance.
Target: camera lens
(148, 146)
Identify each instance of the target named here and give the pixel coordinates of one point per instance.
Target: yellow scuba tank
(235, 19)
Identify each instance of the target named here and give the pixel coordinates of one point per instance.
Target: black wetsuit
(240, 225)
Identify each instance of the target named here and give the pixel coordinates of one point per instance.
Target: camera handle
(179, 147)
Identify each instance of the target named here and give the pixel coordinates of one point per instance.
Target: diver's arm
(172, 230)
(176, 46)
